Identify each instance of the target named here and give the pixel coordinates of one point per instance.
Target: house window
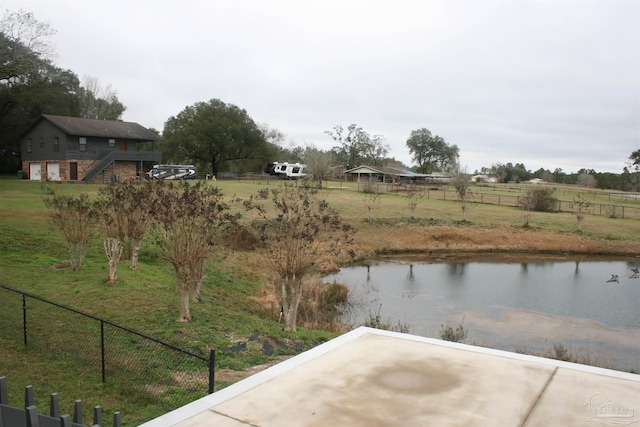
(56, 143)
(112, 143)
(82, 144)
(42, 142)
(29, 145)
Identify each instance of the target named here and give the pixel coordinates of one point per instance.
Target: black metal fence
(28, 415)
(144, 368)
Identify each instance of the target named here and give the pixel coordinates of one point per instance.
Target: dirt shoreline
(493, 255)
(498, 243)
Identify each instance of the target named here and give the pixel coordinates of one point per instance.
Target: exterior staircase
(102, 164)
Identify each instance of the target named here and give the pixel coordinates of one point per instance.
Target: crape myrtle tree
(189, 217)
(461, 182)
(581, 207)
(126, 213)
(299, 227)
(212, 134)
(133, 202)
(78, 219)
(431, 153)
(114, 228)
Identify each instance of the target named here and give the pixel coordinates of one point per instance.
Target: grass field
(237, 301)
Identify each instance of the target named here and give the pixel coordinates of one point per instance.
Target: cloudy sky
(552, 84)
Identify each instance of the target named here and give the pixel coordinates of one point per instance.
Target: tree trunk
(113, 249)
(291, 295)
(198, 276)
(77, 252)
(183, 289)
(135, 252)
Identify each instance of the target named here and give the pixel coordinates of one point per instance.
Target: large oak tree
(430, 152)
(213, 133)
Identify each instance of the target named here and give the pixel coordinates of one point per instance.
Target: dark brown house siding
(52, 149)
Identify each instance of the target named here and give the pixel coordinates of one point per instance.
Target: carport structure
(385, 174)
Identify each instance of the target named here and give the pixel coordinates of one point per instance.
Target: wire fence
(144, 369)
(617, 207)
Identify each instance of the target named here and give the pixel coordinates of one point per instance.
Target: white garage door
(34, 172)
(53, 171)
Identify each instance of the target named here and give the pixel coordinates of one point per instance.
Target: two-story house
(58, 148)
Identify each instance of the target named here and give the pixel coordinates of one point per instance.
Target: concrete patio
(370, 377)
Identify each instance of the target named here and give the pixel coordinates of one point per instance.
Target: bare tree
(350, 143)
(98, 101)
(114, 239)
(586, 180)
(134, 203)
(299, 228)
(24, 28)
(318, 164)
(413, 198)
(371, 200)
(78, 220)
(139, 208)
(375, 149)
(580, 207)
(189, 217)
(462, 184)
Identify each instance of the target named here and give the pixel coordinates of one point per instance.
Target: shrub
(457, 334)
(612, 211)
(539, 199)
(323, 304)
(375, 321)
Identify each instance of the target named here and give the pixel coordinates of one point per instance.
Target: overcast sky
(552, 84)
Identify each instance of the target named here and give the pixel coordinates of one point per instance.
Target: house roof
(99, 128)
(371, 377)
(386, 170)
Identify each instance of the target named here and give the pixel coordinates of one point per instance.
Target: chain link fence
(145, 369)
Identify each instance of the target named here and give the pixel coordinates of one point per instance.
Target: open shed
(386, 174)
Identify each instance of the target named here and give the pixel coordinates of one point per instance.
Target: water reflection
(511, 304)
(456, 270)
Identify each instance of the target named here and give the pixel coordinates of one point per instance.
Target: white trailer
(172, 172)
(286, 170)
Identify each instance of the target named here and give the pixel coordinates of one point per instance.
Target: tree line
(628, 180)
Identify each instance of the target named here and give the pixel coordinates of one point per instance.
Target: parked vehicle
(172, 172)
(286, 170)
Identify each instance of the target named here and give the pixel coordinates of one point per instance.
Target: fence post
(54, 406)
(4, 394)
(77, 412)
(212, 367)
(28, 396)
(24, 318)
(32, 419)
(104, 375)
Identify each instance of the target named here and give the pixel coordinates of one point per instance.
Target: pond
(592, 308)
